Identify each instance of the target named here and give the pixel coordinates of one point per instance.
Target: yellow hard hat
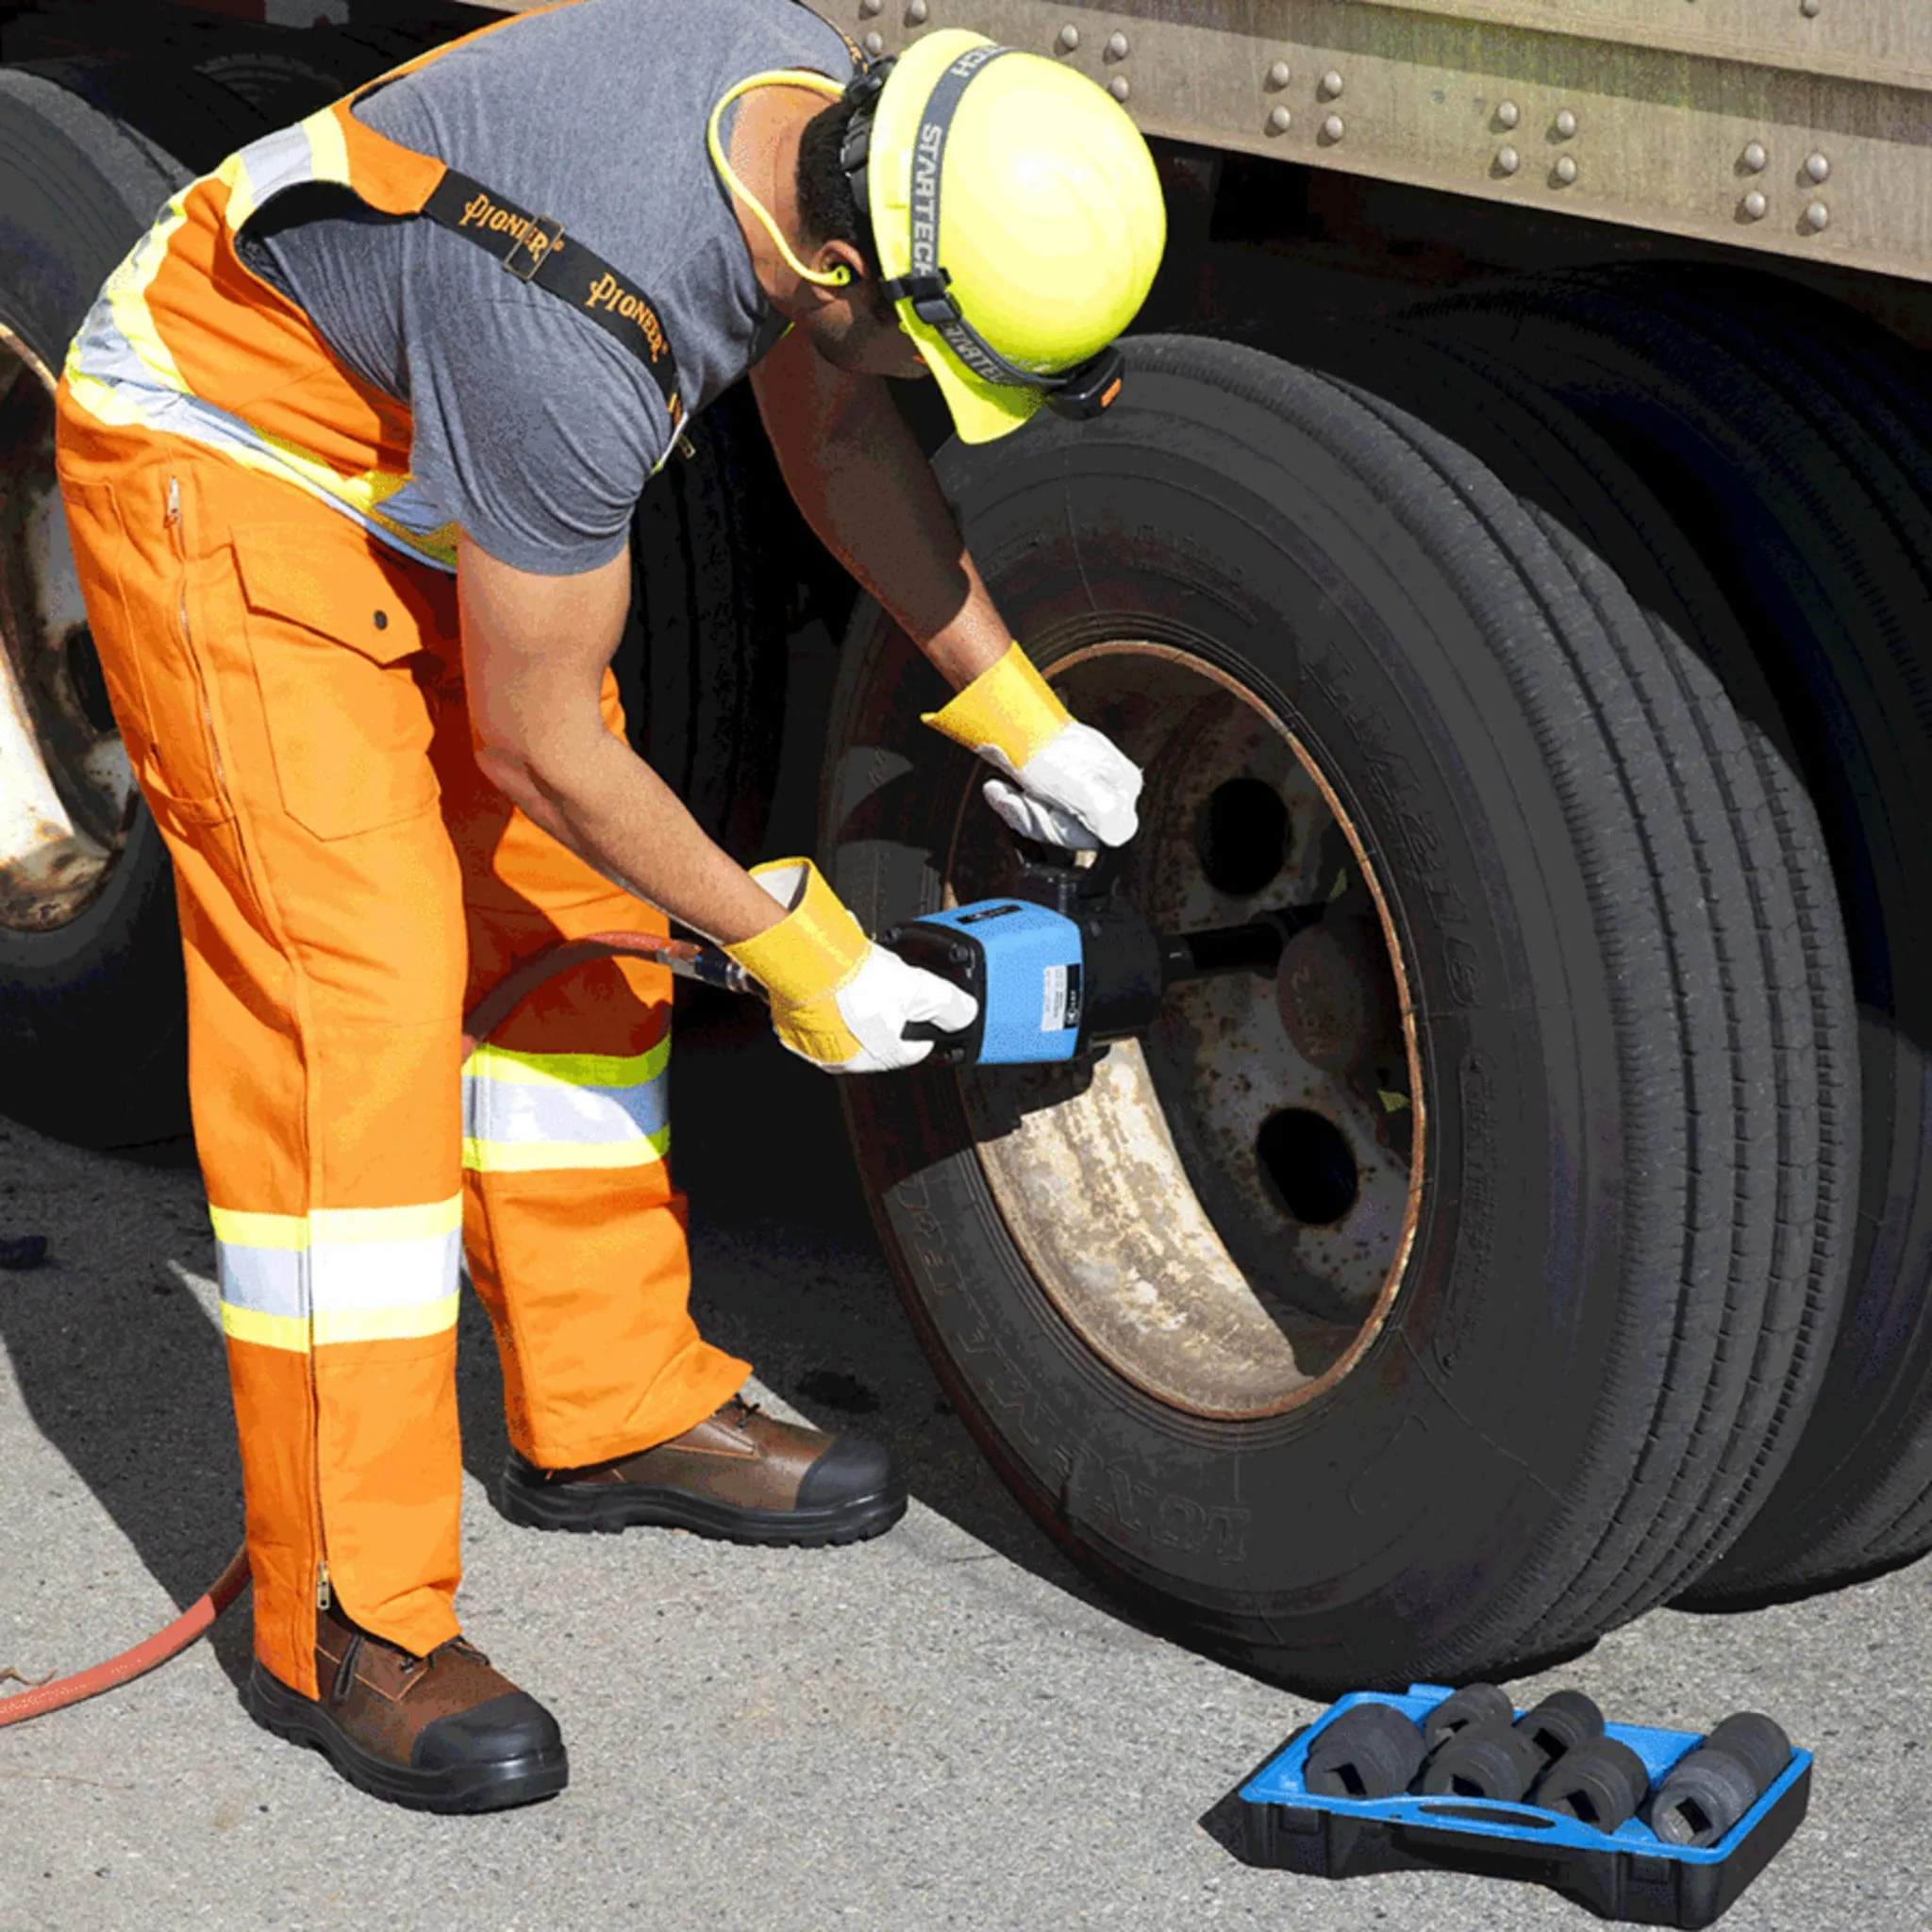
(1018, 220)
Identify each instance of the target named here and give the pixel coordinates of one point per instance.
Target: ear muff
(836, 277)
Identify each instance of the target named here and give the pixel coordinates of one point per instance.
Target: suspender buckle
(531, 249)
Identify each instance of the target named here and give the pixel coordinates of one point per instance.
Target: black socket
(1474, 1703)
(1370, 1751)
(1483, 1760)
(1562, 1720)
(1598, 1782)
(1709, 1790)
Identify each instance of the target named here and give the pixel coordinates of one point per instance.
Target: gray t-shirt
(535, 430)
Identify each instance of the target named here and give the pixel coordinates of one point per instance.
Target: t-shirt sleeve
(533, 432)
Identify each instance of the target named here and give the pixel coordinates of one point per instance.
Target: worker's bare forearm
(862, 482)
(535, 653)
(607, 805)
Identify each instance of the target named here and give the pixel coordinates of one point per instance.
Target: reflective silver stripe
(120, 370)
(338, 1274)
(495, 1110)
(267, 1280)
(526, 1111)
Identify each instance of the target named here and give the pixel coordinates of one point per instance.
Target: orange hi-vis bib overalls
(275, 613)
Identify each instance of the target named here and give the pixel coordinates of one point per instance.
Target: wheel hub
(1221, 1209)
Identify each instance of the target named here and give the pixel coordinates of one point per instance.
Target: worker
(350, 446)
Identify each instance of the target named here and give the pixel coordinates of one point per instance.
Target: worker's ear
(834, 257)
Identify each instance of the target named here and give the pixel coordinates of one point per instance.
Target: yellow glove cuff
(1010, 709)
(812, 951)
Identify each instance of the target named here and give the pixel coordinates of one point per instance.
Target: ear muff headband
(1081, 392)
(784, 77)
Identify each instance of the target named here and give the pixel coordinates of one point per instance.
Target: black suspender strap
(533, 249)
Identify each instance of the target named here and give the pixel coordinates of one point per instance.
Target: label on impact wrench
(1060, 1003)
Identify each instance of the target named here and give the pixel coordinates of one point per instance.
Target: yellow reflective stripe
(362, 496)
(233, 176)
(386, 1223)
(537, 1156)
(289, 1332)
(241, 1229)
(126, 297)
(385, 1325)
(514, 1068)
(328, 148)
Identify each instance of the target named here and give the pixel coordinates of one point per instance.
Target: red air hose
(684, 957)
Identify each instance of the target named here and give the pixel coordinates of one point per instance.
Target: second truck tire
(1434, 1354)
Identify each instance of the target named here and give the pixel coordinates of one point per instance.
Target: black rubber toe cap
(848, 1471)
(498, 1731)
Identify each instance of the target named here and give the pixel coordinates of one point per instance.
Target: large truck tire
(1410, 1323)
(91, 999)
(1586, 497)
(92, 1037)
(1789, 442)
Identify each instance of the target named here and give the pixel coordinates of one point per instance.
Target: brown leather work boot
(438, 1733)
(740, 1473)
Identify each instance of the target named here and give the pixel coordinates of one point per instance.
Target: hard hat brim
(981, 411)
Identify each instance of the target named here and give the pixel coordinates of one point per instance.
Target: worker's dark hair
(825, 203)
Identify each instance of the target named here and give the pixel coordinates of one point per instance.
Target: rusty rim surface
(1223, 1211)
(67, 793)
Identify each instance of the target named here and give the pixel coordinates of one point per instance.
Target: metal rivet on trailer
(868, 8)
(915, 13)
(1756, 207)
(1507, 114)
(1819, 167)
(874, 45)
(1280, 74)
(1817, 217)
(1069, 38)
(1507, 161)
(1279, 121)
(1565, 124)
(1116, 47)
(1332, 86)
(1332, 128)
(1565, 171)
(1117, 87)
(1754, 157)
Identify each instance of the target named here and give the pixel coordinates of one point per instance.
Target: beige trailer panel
(1797, 128)
(1808, 165)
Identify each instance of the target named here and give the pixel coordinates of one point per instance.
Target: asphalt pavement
(943, 1729)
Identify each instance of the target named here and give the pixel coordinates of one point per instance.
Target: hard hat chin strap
(1080, 391)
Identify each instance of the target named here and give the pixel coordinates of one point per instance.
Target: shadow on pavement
(125, 1373)
(117, 1366)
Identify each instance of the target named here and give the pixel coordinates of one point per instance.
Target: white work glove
(837, 1000)
(1065, 783)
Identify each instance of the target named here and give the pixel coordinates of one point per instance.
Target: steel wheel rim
(1101, 1187)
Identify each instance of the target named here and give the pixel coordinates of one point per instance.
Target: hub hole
(1306, 1161)
(1243, 837)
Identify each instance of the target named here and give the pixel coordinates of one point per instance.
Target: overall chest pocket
(339, 655)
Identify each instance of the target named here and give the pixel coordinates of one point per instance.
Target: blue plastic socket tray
(1629, 1874)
